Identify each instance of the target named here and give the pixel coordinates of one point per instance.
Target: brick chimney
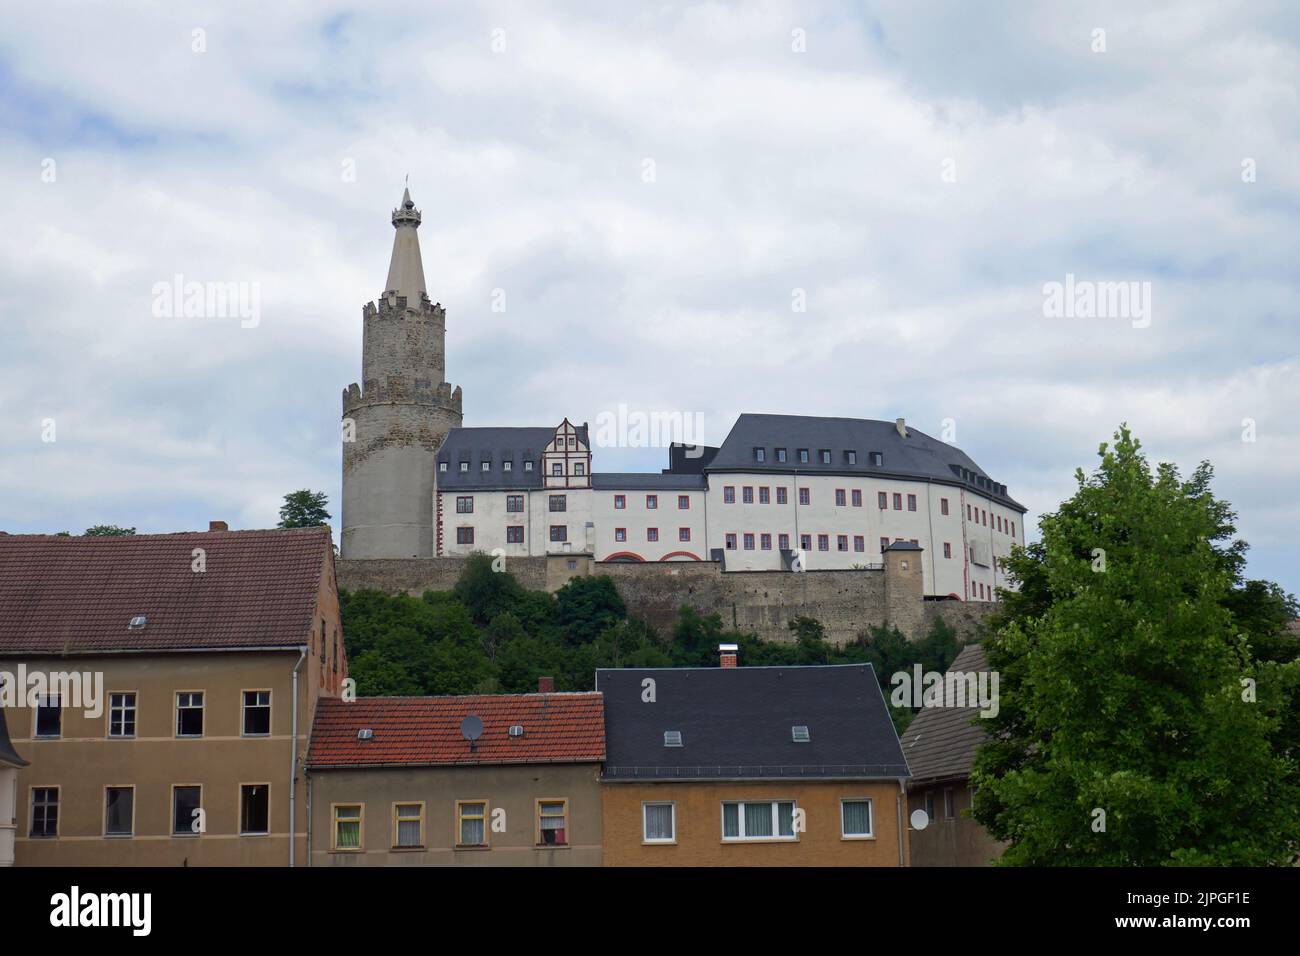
(218, 526)
(727, 654)
(546, 685)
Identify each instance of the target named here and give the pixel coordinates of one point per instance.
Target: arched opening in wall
(680, 556)
(626, 557)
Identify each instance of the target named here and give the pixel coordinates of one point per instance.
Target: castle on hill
(782, 492)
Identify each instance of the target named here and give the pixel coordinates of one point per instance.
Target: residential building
(940, 745)
(750, 766)
(483, 780)
(207, 653)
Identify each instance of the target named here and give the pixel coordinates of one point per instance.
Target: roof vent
(516, 730)
(138, 622)
(672, 738)
(365, 733)
(799, 734)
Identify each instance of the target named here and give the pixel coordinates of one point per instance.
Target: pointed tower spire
(406, 269)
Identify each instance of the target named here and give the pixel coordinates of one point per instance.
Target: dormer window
(442, 466)
(486, 465)
(780, 455)
(826, 456)
(464, 468)
(877, 459)
(507, 466)
(528, 466)
(760, 455)
(850, 457)
(137, 623)
(803, 456)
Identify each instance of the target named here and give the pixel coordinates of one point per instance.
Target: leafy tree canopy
(304, 509)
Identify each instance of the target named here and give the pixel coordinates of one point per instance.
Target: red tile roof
(425, 731)
(78, 594)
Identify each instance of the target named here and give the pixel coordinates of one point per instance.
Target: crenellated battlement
(403, 391)
(392, 304)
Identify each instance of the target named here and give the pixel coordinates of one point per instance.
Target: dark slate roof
(68, 595)
(8, 756)
(917, 456)
(426, 731)
(496, 445)
(940, 743)
(903, 546)
(646, 481)
(736, 724)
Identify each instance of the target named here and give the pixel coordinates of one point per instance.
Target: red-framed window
(620, 502)
(823, 542)
(856, 497)
(882, 500)
(911, 502)
(783, 542)
(749, 540)
(620, 534)
(841, 542)
(898, 501)
(683, 534)
(840, 499)
(765, 542)
(731, 542)
(943, 506)
(781, 496)
(652, 534)
(747, 495)
(805, 496)
(859, 543)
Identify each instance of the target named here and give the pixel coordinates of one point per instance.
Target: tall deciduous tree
(1138, 725)
(304, 509)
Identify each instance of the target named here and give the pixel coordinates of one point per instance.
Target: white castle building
(792, 492)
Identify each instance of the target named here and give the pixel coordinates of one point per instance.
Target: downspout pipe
(899, 800)
(293, 758)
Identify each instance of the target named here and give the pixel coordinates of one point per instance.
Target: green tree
(586, 606)
(107, 531)
(1122, 667)
(304, 509)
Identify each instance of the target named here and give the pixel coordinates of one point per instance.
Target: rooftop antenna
(471, 728)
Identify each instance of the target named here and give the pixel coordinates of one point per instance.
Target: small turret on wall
(394, 422)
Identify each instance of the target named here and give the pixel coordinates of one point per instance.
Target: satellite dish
(920, 819)
(471, 728)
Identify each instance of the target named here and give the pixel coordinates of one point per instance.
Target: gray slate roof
(940, 743)
(646, 481)
(497, 445)
(736, 724)
(8, 756)
(917, 456)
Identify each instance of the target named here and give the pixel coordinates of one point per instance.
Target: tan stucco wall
(699, 825)
(512, 788)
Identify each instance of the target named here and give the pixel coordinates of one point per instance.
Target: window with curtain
(754, 820)
(409, 824)
(855, 818)
(658, 823)
(471, 827)
(552, 823)
(347, 827)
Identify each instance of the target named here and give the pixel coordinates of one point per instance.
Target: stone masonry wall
(845, 602)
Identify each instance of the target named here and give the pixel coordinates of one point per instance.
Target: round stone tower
(395, 420)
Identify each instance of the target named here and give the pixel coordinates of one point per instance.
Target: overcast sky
(649, 189)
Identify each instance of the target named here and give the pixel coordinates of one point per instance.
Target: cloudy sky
(654, 188)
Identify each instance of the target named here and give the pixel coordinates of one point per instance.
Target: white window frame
(133, 708)
(871, 818)
(658, 841)
(775, 837)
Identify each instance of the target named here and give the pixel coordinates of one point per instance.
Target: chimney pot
(218, 526)
(727, 654)
(546, 685)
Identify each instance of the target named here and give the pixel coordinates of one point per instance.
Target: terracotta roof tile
(424, 731)
(78, 594)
